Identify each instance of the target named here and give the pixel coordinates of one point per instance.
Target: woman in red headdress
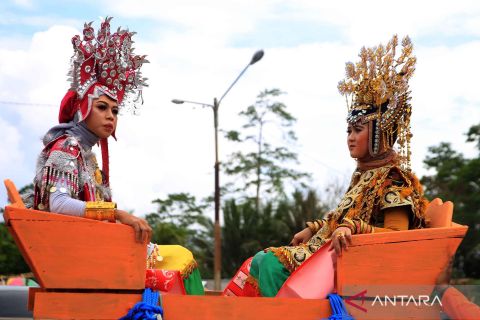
(105, 77)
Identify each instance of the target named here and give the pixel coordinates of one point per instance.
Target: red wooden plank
(235, 308)
(88, 255)
(456, 231)
(31, 296)
(13, 195)
(61, 305)
(394, 267)
(386, 310)
(14, 213)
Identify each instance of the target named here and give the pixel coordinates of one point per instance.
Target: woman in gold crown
(383, 196)
(105, 78)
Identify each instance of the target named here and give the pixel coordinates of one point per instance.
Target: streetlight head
(177, 101)
(257, 56)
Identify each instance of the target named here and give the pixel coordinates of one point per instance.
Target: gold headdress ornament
(376, 90)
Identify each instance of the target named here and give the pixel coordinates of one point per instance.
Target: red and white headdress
(102, 64)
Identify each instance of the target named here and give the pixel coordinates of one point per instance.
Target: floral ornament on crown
(107, 60)
(379, 76)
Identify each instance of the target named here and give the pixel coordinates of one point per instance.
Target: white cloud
(169, 148)
(368, 22)
(24, 3)
(10, 145)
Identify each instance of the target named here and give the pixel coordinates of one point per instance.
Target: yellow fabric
(176, 257)
(396, 219)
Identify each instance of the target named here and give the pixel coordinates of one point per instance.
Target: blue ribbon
(339, 311)
(148, 309)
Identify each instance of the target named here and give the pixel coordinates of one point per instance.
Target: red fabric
(239, 286)
(250, 290)
(71, 104)
(60, 145)
(457, 306)
(105, 160)
(165, 281)
(68, 107)
(314, 279)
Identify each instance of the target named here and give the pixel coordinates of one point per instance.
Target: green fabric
(193, 283)
(269, 272)
(32, 283)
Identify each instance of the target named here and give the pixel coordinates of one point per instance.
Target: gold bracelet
(319, 223)
(347, 223)
(312, 227)
(100, 210)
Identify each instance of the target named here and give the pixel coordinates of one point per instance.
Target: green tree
(265, 166)
(247, 230)
(457, 179)
(11, 260)
(179, 220)
(302, 207)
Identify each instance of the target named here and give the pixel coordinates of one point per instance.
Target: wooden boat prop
(90, 269)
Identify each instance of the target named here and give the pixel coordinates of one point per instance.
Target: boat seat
(439, 214)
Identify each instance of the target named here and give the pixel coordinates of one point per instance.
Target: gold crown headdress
(376, 90)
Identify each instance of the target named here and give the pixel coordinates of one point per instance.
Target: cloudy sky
(197, 48)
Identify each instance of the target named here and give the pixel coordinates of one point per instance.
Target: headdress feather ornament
(107, 61)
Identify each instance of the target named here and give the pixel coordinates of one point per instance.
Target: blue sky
(197, 48)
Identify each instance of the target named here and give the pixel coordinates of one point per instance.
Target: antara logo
(404, 300)
(385, 301)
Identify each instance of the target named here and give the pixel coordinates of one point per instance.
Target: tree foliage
(247, 230)
(265, 167)
(300, 208)
(457, 179)
(11, 261)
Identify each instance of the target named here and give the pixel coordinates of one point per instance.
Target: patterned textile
(172, 268)
(65, 160)
(236, 286)
(370, 192)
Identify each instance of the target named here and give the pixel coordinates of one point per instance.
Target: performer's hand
(341, 238)
(143, 232)
(302, 237)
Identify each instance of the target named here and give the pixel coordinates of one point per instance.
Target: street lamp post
(217, 264)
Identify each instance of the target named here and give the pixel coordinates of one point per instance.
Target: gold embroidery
(372, 192)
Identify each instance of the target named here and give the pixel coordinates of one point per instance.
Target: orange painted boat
(89, 269)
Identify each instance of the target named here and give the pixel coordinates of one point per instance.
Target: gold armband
(100, 210)
(311, 226)
(357, 226)
(315, 225)
(350, 224)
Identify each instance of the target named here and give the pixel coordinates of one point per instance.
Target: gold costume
(370, 193)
